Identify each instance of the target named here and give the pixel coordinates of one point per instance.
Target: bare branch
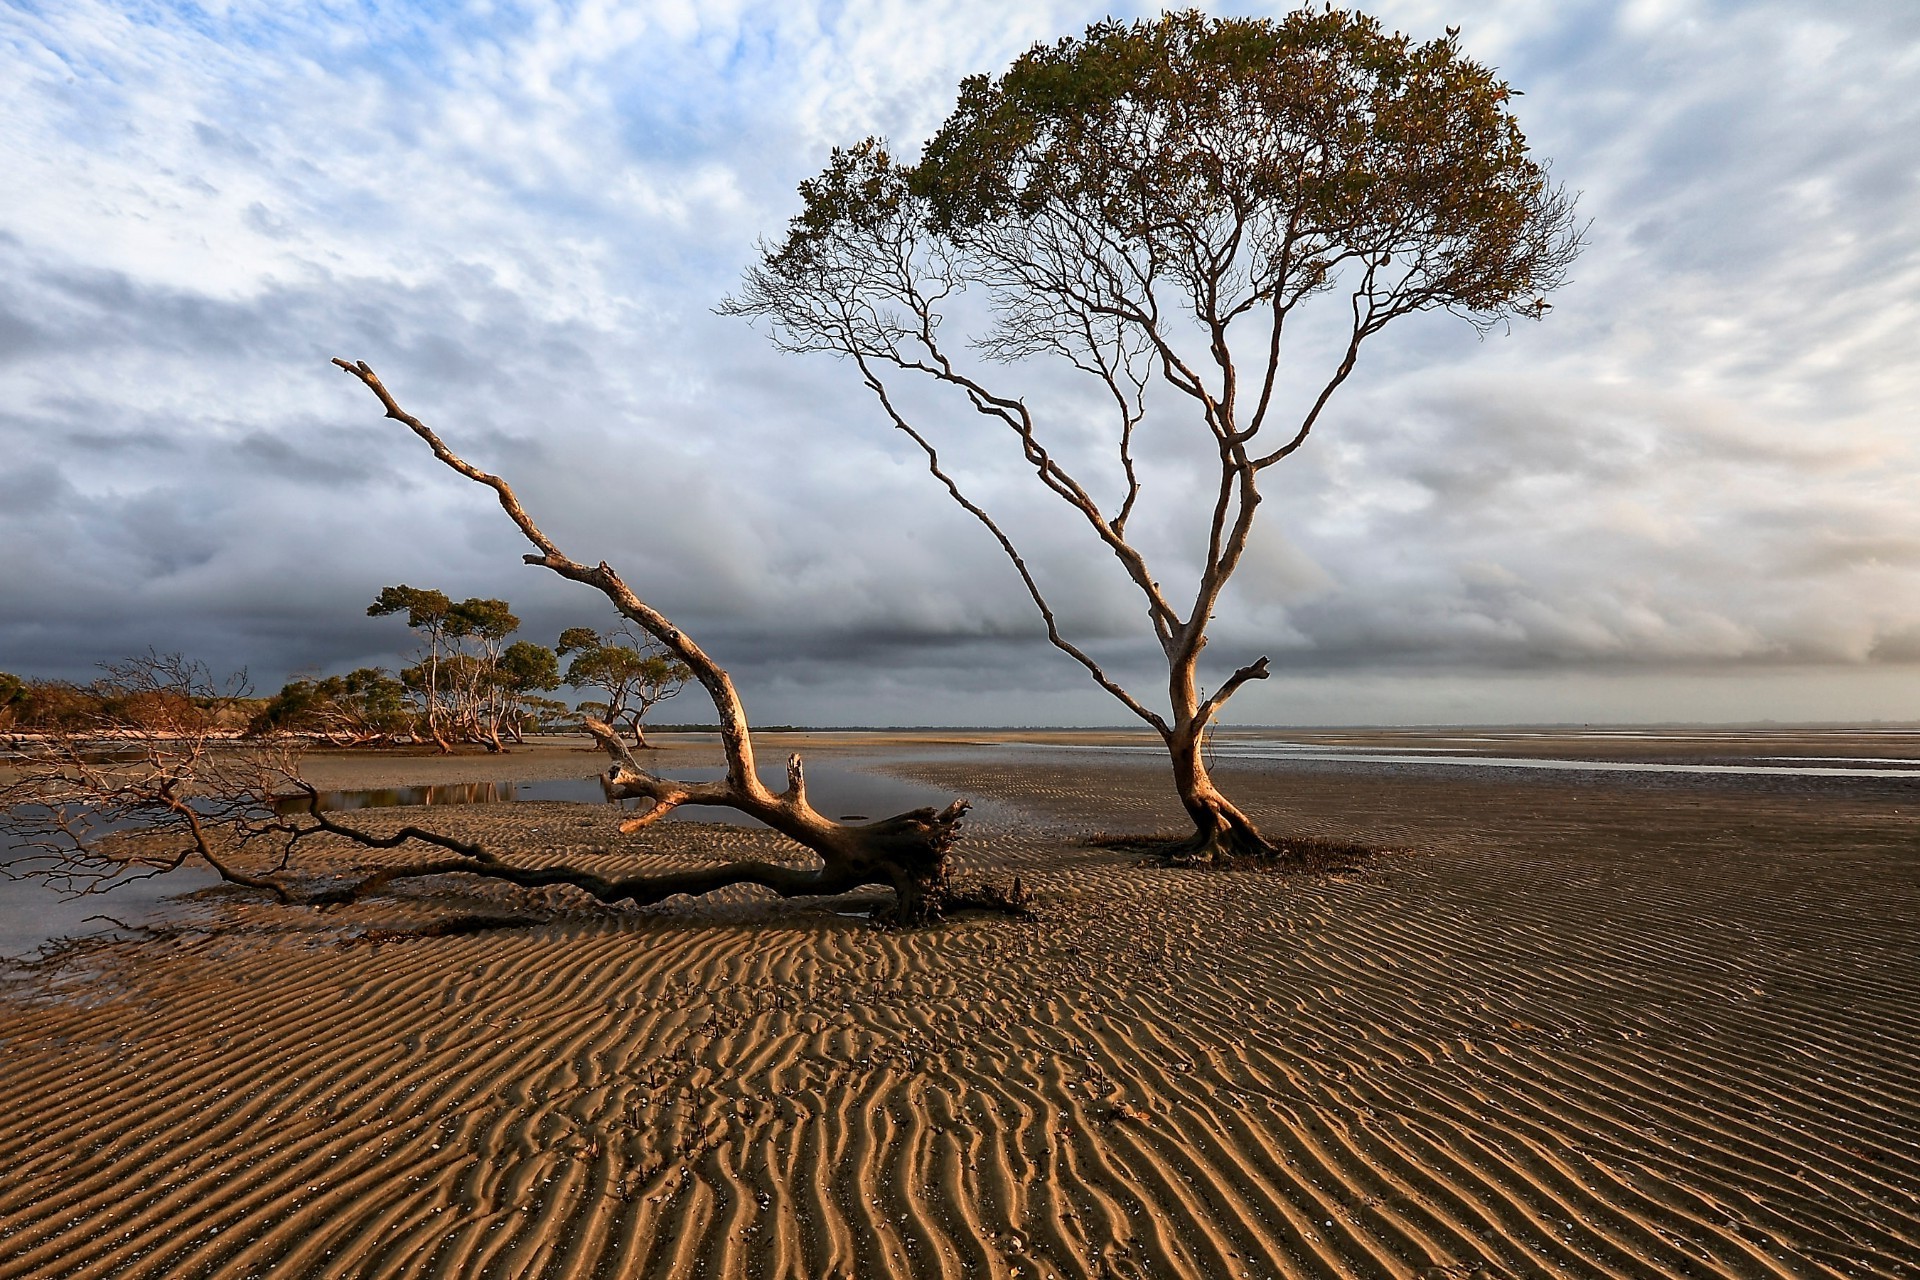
(1256, 670)
(908, 852)
(1019, 563)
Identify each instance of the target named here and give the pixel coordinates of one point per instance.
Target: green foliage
(424, 609)
(526, 667)
(484, 620)
(576, 638)
(367, 704)
(635, 675)
(1365, 143)
(1245, 161)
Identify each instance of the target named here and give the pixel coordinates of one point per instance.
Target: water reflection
(847, 794)
(435, 794)
(33, 912)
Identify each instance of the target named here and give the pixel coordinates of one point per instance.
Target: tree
(636, 675)
(427, 613)
(470, 682)
(1154, 205)
(525, 670)
(364, 706)
(480, 627)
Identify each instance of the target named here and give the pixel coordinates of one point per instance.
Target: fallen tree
(199, 798)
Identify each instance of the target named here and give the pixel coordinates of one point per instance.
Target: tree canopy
(635, 674)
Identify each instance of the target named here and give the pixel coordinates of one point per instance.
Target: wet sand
(1577, 1025)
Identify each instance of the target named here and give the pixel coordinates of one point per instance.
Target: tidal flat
(1575, 1021)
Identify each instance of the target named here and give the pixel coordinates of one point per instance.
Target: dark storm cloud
(30, 489)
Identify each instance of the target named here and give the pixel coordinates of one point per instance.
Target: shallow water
(1322, 754)
(33, 914)
(850, 795)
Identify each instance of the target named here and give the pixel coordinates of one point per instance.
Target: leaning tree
(1154, 205)
(909, 852)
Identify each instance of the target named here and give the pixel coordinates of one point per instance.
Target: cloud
(522, 214)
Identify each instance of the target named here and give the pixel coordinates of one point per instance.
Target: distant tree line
(116, 698)
(470, 682)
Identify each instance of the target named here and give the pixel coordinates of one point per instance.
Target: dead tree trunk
(908, 852)
(1221, 831)
(438, 734)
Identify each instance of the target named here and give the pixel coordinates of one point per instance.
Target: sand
(1578, 1027)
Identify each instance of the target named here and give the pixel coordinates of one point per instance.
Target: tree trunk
(1221, 832)
(908, 852)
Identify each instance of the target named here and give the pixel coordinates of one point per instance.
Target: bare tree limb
(908, 852)
(1019, 563)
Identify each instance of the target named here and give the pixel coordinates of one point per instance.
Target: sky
(1691, 493)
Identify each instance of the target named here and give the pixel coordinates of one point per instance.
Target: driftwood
(190, 800)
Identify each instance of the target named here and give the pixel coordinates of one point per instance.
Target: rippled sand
(1578, 1030)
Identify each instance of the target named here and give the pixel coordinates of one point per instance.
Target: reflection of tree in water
(392, 797)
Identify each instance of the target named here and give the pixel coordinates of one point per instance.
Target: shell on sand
(1578, 1030)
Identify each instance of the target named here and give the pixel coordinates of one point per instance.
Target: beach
(1576, 1023)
